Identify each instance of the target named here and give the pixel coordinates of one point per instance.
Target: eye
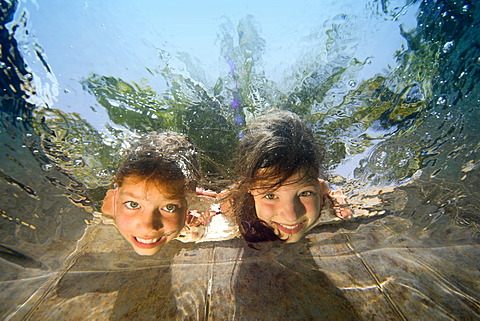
(170, 208)
(307, 193)
(270, 196)
(132, 205)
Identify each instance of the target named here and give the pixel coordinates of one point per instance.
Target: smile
(289, 228)
(147, 241)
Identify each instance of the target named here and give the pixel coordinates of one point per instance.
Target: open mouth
(148, 243)
(289, 228)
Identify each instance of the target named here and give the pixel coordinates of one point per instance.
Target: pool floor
(349, 271)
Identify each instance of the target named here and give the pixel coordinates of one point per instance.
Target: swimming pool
(389, 87)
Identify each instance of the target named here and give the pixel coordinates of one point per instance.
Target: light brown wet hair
(161, 157)
(275, 146)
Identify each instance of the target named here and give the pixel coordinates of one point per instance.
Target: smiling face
(291, 209)
(149, 214)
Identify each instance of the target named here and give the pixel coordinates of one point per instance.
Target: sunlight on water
(389, 87)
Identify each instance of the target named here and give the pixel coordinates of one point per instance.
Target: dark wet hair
(275, 147)
(161, 157)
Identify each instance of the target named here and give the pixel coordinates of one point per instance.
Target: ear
(108, 203)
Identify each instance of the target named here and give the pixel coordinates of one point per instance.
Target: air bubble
(441, 101)
(102, 174)
(448, 46)
(47, 167)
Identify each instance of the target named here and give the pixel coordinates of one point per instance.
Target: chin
(147, 252)
(292, 238)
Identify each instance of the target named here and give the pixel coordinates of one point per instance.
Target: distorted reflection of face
(149, 214)
(292, 209)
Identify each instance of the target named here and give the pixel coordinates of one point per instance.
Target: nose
(292, 209)
(151, 220)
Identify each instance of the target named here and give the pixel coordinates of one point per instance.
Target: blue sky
(121, 38)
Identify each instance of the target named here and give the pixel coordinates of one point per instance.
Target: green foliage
(71, 143)
(213, 115)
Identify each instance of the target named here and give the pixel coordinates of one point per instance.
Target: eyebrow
(304, 183)
(130, 194)
(169, 197)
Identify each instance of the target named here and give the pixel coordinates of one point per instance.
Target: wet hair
(161, 157)
(274, 147)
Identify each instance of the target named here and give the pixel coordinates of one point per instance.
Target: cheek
(264, 210)
(313, 207)
(123, 222)
(174, 221)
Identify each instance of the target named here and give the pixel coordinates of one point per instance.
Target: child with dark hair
(280, 194)
(148, 203)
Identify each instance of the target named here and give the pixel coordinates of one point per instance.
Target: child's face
(292, 209)
(149, 215)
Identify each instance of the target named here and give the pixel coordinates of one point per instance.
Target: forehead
(140, 187)
(297, 180)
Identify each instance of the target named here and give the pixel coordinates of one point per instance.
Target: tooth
(290, 227)
(146, 241)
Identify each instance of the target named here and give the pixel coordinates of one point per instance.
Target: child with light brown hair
(148, 203)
